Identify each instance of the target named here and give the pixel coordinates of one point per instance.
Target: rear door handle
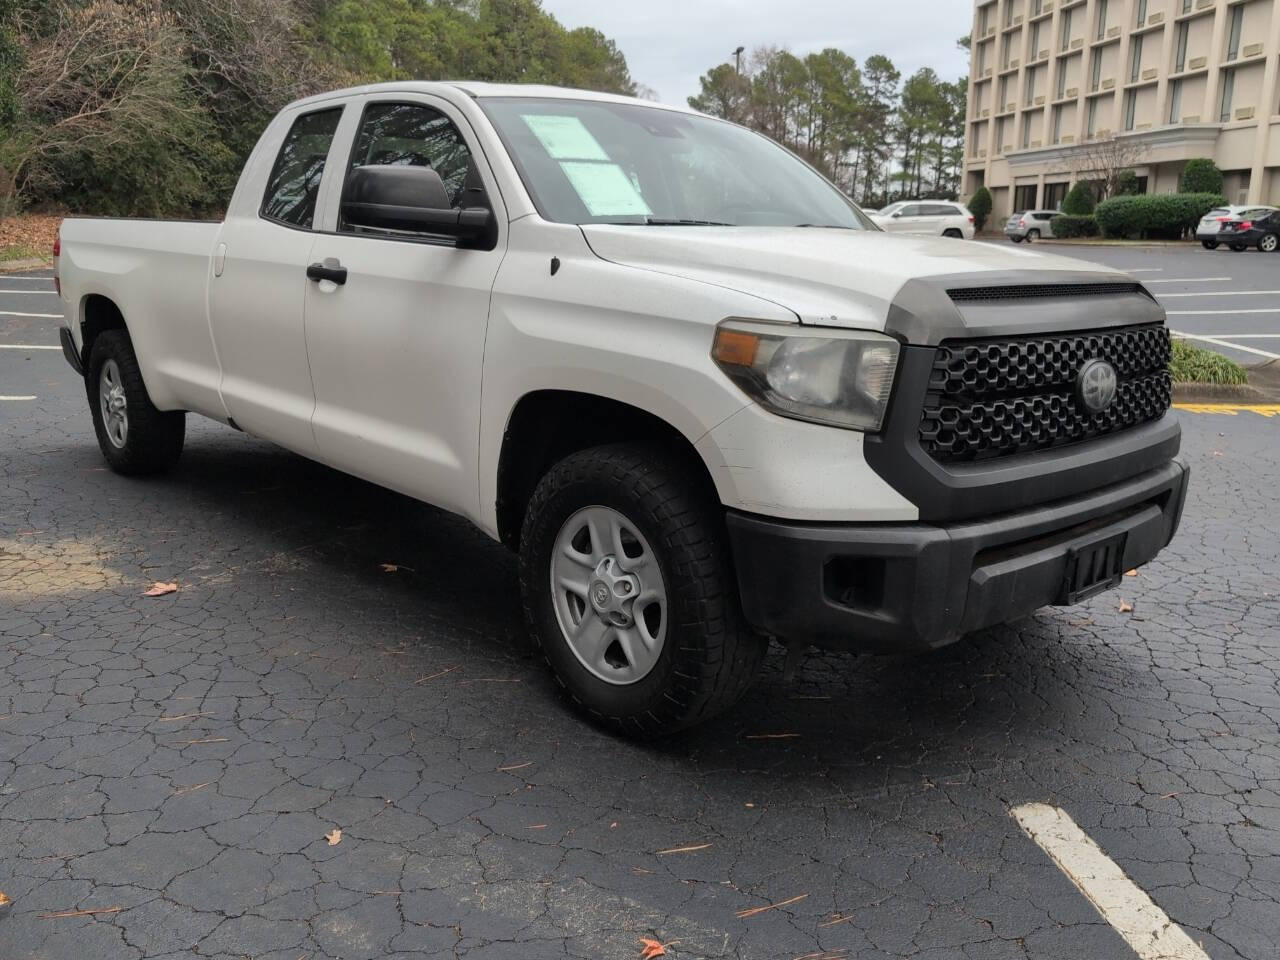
(329, 270)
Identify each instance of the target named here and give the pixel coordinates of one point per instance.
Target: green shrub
(1167, 215)
(1066, 226)
(980, 207)
(1127, 184)
(1195, 365)
(1200, 175)
(1079, 201)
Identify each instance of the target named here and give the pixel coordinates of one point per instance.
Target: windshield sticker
(564, 138)
(605, 190)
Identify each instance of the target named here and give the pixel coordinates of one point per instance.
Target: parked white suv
(659, 357)
(1030, 225)
(939, 218)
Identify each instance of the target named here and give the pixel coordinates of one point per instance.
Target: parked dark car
(1261, 231)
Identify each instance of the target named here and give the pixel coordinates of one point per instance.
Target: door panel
(256, 303)
(396, 351)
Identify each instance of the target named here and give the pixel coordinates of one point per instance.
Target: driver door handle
(329, 270)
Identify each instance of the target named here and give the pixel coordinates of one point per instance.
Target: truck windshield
(586, 161)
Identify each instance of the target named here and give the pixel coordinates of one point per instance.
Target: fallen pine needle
(835, 921)
(161, 589)
(187, 743)
(198, 786)
(743, 914)
(77, 913)
(493, 680)
(537, 826)
(515, 766)
(688, 849)
(824, 955)
(186, 716)
(437, 676)
(771, 736)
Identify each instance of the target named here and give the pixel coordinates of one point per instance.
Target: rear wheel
(1209, 244)
(1269, 243)
(135, 438)
(629, 592)
(1016, 239)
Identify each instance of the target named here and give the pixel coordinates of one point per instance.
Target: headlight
(837, 377)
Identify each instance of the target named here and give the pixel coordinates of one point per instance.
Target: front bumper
(889, 588)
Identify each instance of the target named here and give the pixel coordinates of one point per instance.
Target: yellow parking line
(1231, 409)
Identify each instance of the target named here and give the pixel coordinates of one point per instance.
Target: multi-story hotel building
(1055, 83)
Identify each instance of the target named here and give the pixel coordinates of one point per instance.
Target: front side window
(586, 161)
(413, 135)
(294, 184)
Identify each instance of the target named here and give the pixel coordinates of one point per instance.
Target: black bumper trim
(889, 588)
(69, 350)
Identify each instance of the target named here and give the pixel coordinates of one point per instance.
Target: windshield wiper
(663, 222)
(824, 226)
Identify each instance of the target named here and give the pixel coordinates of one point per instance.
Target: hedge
(980, 207)
(1066, 226)
(1162, 215)
(1201, 175)
(1080, 200)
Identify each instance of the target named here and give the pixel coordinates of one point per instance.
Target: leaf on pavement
(389, 567)
(652, 948)
(1126, 606)
(1131, 573)
(334, 836)
(160, 589)
(4, 899)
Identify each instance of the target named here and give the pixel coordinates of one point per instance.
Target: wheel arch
(98, 314)
(546, 426)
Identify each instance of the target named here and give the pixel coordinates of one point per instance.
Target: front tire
(1239, 247)
(1269, 243)
(1209, 244)
(135, 438)
(629, 591)
(1033, 235)
(953, 234)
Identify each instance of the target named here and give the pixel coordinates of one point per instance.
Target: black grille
(994, 398)
(1033, 291)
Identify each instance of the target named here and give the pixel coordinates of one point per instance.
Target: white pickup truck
(697, 390)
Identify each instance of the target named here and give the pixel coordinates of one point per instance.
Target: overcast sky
(670, 43)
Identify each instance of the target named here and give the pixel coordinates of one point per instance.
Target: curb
(16, 266)
(1219, 393)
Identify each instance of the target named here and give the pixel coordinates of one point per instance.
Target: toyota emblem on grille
(1096, 385)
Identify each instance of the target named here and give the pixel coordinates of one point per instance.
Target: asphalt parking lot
(339, 657)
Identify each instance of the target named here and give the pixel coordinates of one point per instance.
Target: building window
(1008, 15)
(1186, 5)
(1031, 87)
(1024, 198)
(1037, 8)
(1233, 37)
(1136, 70)
(1026, 131)
(1062, 79)
(1130, 108)
(1054, 194)
(1102, 19)
(1035, 41)
(984, 17)
(1142, 12)
(1000, 135)
(1228, 94)
(1097, 70)
(1093, 117)
(1180, 61)
(1175, 101)
(1057, 124)
(1066, 29)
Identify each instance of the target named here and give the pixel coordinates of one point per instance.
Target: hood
(841, 278)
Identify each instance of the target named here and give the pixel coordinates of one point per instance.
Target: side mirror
(413, 200)
(897, 215)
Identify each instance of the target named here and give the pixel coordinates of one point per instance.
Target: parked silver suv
(1030, 225)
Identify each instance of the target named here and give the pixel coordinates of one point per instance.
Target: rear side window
(940, 210)
(295, 178)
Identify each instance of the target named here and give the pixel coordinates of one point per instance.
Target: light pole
(737, 61)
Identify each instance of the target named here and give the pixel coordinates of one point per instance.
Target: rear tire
(657, 536)
(1209, 244)
(1269, 243)
(135, 438)
(1016, 239)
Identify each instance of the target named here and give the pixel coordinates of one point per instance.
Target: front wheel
(953, 234)
(1269, 243)
(1016, 239)
(1033, 235)
(1238, 247)
(135, 438)
(1209, 244)
(629, 592)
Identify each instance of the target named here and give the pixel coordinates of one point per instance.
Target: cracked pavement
(175, 763)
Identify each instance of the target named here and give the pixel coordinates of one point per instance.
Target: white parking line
(1219, 342)
(1133, 914)
(1191, 280)
(1245, 336)
(1223, 293)
(28, 346)
(16, 398)
(1145, 270)
(1207, 313)
(47, 316)
(28, 280)
(31, 293)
